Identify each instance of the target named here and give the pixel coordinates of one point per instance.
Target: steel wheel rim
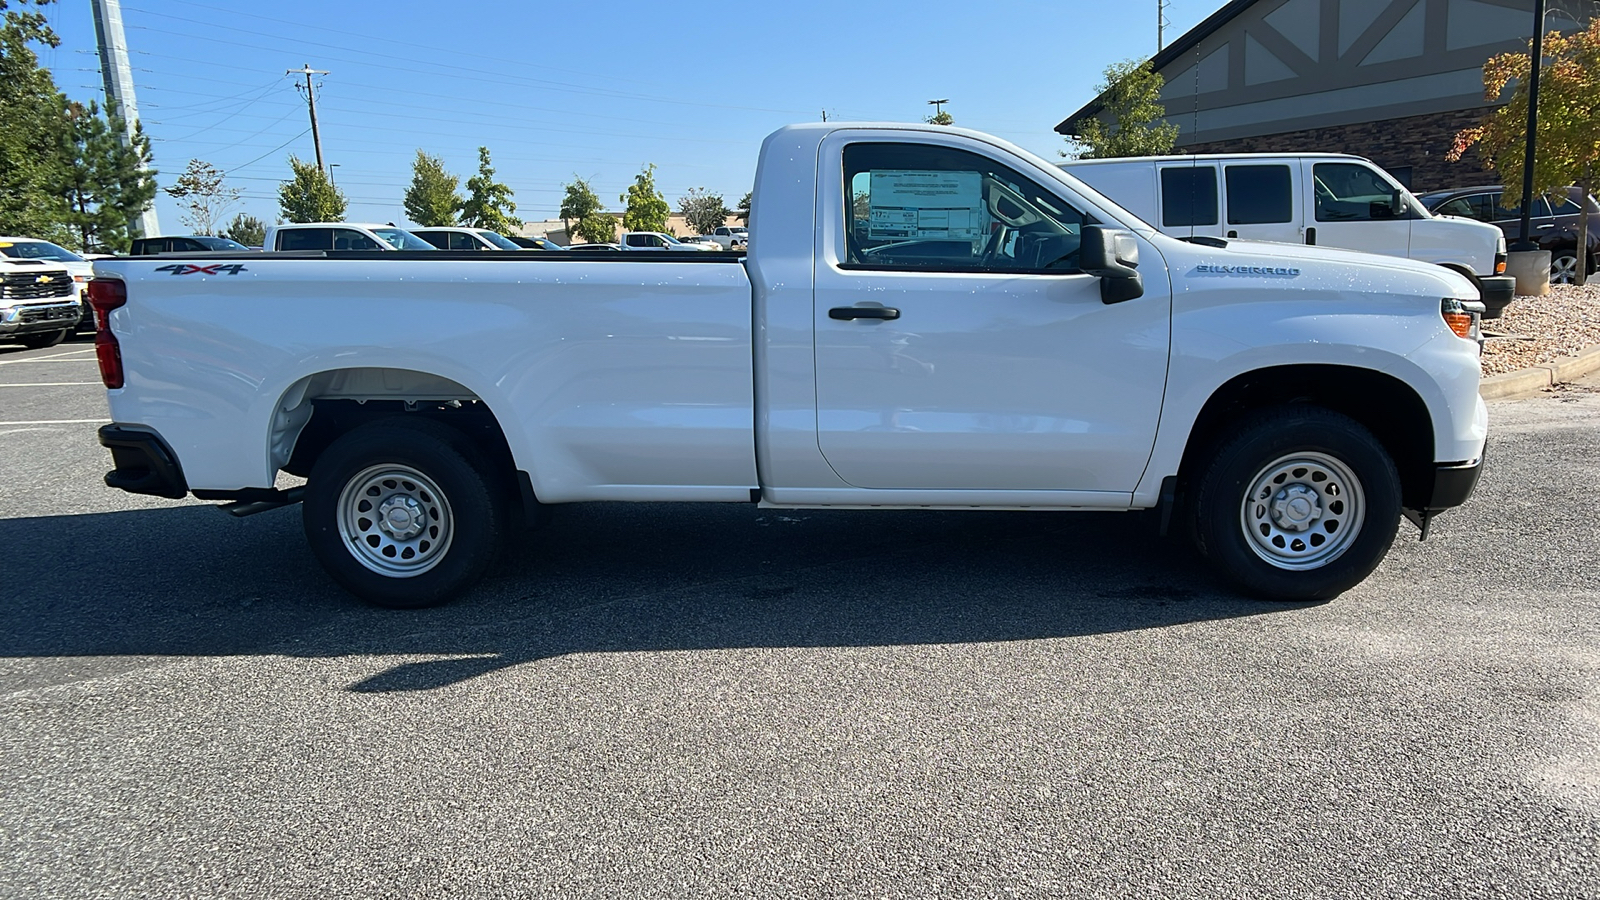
(395, 521)
(1302, 511)
(1563, 269)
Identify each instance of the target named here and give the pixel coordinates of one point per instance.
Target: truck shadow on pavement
(188, 581)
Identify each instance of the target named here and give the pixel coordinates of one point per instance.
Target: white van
(1310, 198)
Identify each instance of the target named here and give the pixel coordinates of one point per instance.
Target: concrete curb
(1532, 380)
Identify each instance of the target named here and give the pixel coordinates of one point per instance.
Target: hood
(1259, 262)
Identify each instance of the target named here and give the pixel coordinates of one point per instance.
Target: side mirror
(1112, 255)
(1397, 205)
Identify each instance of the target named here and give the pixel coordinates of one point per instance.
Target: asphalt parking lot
(672, 701)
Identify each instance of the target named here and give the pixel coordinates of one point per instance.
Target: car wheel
(1563, 266)
(402, 514)
(41, 341)
(1300, 504)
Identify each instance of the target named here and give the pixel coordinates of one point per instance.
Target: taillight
(105, 295)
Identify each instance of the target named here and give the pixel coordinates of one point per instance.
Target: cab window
(930, 208)
(1347, 192)
(305, 239)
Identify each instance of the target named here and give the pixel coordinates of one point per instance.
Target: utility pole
(1161, 23)
(1536, 63)
(118, 78)
(311, 98)
(938, 106)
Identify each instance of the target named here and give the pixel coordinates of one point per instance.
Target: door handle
(863, 312)
(1546, 225)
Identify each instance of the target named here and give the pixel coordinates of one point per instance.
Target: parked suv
(191, 243)
(1553, 227)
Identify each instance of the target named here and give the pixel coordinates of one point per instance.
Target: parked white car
(731, 237)
(701, 240)
(461, 238)
(341, 236)
(655, 240)
(993, 334)
(78, 266)
(1326, 199)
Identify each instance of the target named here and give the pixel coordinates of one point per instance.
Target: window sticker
(911, 204)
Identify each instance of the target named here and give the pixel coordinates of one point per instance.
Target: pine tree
(309, 196)
(489, 204)
(246, 229)
(106, 183)
(431, 200)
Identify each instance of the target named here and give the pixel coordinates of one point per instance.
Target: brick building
(1391, 80)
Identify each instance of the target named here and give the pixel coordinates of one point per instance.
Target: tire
(41, 341)
(442, 525)
(1563, 266)
(1300, 504)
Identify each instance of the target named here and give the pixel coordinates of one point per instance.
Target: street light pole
(1523, 241)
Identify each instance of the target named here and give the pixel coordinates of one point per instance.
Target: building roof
(1069, 125)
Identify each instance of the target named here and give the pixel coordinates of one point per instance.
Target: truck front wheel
(1300, 504)
(401, 514)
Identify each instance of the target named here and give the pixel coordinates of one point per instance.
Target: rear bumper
(1497, 292)
(144, 464)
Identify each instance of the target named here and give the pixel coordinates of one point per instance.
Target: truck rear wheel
(401, 514)
(1301, 504)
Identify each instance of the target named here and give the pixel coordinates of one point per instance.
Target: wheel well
(1385, 405)
(1463, 270)
(318, 409)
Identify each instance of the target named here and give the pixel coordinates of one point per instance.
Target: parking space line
(56, 384)
(60, 422)
(8, 362)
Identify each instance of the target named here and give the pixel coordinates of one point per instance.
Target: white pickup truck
(969, 327)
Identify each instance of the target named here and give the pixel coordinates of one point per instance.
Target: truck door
(1262, 204)
(1190, 204)
(1352, 207)
(957, 344)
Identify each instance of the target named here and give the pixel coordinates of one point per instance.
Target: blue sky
(593, 89)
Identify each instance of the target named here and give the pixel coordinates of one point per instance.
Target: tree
(646, 209)
(1130, 99)
(1568, 140)
(704, 211)
(33, 129)
(246, 229)
(431, 200)
(309, 196)
(108, 182)
(582, 205)
(204, 196)
(744, 208)
(489, 204)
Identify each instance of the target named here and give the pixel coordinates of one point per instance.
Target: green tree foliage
(647, 209)
(489, 204)
(107, 182)
(1567, 145)
(704, 211)
(431, 200)
(33, 128)
(203, 195)
(940, 118)
(1129, 124)
(246, 229)
(309, 196)
(582, 205)
(744, 208)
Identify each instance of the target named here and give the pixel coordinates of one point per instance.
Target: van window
(1188, 196)
(931, 208)
(306, 239)
(1259, 195)
(1348, 192)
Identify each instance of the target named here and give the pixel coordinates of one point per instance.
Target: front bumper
(1451, 485)
(34, 318)
(1497, 292)
(144, 464)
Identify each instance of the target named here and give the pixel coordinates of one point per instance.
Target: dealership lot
(721, 700)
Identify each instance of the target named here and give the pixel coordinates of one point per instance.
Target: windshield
(38, 250)
(217, 243)
(670, 239)
(400, 239)
(498, 240)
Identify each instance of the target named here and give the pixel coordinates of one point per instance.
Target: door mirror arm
(1112, 255)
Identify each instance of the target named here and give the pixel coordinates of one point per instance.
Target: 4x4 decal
(190, 269)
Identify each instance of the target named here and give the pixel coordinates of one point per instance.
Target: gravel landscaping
(1537, 330)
